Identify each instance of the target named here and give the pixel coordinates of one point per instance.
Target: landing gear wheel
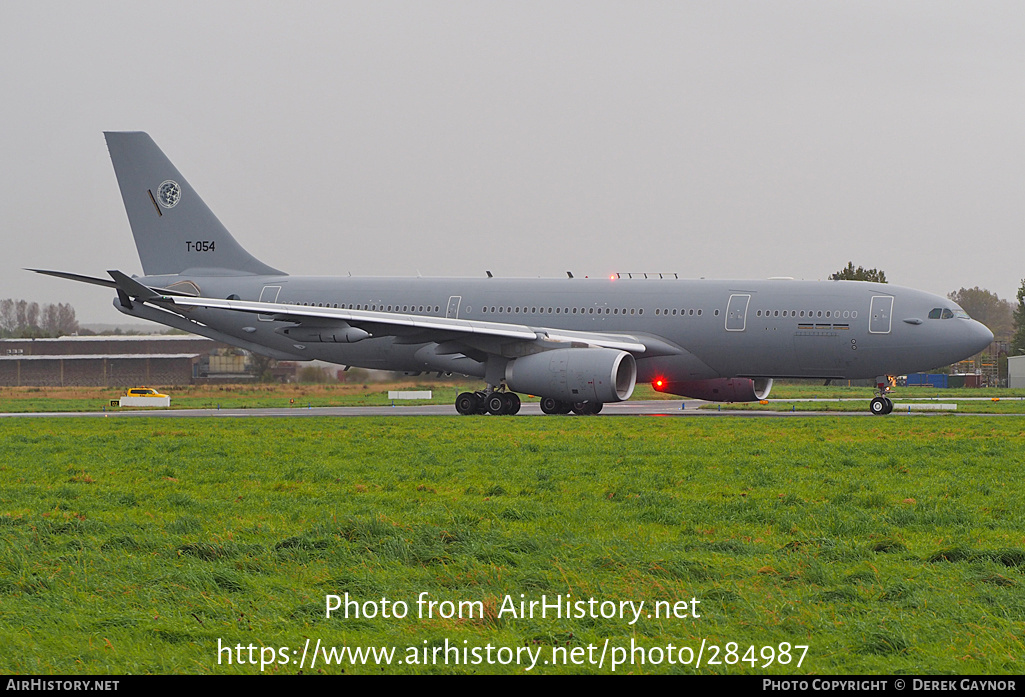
(467, 404)
(512, 403)
(882, 404)
(550, 405)
(586, 408)
(497, 404)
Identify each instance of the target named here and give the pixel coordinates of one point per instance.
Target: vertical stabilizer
(174, 230)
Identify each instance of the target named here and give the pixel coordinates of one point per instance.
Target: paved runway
(631, 408)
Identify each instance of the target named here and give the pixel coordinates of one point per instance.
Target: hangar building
(116, 361)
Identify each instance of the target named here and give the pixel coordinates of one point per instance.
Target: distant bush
(314, 374)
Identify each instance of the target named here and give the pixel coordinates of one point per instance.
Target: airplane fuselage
(710, 328)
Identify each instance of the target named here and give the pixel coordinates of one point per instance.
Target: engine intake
(575, 375)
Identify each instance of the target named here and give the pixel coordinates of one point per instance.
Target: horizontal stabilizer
(77, 277)
(107, 283)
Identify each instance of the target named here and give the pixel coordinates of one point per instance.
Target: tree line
(21, 319)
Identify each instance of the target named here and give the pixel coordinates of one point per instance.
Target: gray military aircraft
(575, 342)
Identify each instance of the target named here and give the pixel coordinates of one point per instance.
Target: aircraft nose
(979, 337)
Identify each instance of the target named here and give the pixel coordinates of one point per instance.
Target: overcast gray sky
(716, 139)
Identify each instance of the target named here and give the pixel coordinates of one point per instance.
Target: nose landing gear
(882, 404)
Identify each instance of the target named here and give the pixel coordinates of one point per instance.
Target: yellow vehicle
(145, 392)
(142, 397)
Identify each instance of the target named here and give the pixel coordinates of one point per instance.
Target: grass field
(885, 545)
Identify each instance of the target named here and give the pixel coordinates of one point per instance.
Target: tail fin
(174, 230)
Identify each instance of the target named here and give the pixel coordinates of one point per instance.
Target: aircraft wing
(383, 323)
(304, 314)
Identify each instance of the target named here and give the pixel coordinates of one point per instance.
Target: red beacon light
(658, 384)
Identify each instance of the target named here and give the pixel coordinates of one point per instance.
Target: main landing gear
(497, 403)
(882, 404)
(508, 403)
(554, 406)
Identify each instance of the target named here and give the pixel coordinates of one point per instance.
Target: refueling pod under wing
(719, 389)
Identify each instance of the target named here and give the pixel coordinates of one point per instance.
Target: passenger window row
(665, 312)
(533, 310)
(836, 314)
(375, 307)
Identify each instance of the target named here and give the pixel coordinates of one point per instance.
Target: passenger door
(736, 312)
(881, 314)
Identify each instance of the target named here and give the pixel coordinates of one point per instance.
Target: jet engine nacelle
(575, 375)
(718, 389)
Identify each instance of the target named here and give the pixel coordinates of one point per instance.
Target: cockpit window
(947, 313)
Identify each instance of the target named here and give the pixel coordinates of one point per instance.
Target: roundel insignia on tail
(169, 194)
